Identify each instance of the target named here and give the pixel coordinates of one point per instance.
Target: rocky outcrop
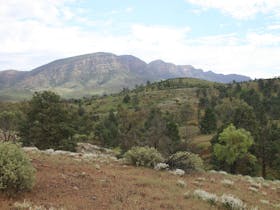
(90, 148)
(85, 152)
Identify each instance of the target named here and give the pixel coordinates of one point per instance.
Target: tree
(274, 149)
(135, 100)
(268, 147)
(130, 123)
(126, 99)
(186, 113)
(47, 123)
(208, 123)
(233, 145)
(108, 131)
(9, 122)
(238, 112)
(161, 132)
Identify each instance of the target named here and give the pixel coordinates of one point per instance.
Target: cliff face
(101, 72)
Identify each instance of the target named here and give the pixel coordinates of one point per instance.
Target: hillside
(253, 106)
(99, 73)
(170, 116)
(70, 183)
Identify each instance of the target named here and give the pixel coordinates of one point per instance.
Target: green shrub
(16, 171)
(186, 161)
(143, 156)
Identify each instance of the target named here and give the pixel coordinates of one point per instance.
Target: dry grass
(65, 183)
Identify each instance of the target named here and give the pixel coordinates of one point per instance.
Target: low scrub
(17, 173)
(186, 161)
(206, 196)
(143, 156)
(227, 183)
(232, 203)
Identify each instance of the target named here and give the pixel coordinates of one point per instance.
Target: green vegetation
(176, 115)
(47, 123)
(107, 130)
(186, 161)
(9, 124)
(208, 123)
(233, 145)
(17, 172)
(143, 156)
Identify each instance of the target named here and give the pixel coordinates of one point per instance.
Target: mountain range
(99, 73)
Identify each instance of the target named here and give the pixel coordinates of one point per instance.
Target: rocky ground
(95, 179)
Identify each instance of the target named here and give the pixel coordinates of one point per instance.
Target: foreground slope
(74, 183)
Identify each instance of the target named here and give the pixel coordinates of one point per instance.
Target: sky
(225, 36)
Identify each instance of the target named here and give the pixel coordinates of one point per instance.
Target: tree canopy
(233, 144)
(47, 123)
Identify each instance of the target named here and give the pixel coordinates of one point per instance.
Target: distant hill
(99, 73)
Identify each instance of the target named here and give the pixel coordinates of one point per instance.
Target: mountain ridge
(102, 72)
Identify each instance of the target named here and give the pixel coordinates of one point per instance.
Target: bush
(206, 196)
(17, 173)
(143, 156)
(186, 161)
(232, 203)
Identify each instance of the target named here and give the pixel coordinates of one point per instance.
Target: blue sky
(229, 36)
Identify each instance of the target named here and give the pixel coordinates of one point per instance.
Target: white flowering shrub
(206, 196)
(187, 195)
(253, 189)
(26, 205)
(264, 202)
(231, 202)
(277, 206)
(197, 183)
(178, 172)
(21, 206)
(16, 171)
(161, 166)
(266, 184)
(200, 179)
(181, 183)
(143, 156)
(227, 182)
(223, 172)
(186, 161)
(255, 184)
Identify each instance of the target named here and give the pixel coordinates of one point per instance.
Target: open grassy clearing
(63, 182)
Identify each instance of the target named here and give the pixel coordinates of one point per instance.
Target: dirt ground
(69, 184)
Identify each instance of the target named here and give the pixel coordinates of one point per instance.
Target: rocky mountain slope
(99, 73)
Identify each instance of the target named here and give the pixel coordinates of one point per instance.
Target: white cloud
(129, 9)
(263, 39)
(28, 40)
(273, 27)
(45, 11)
(240, 9)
